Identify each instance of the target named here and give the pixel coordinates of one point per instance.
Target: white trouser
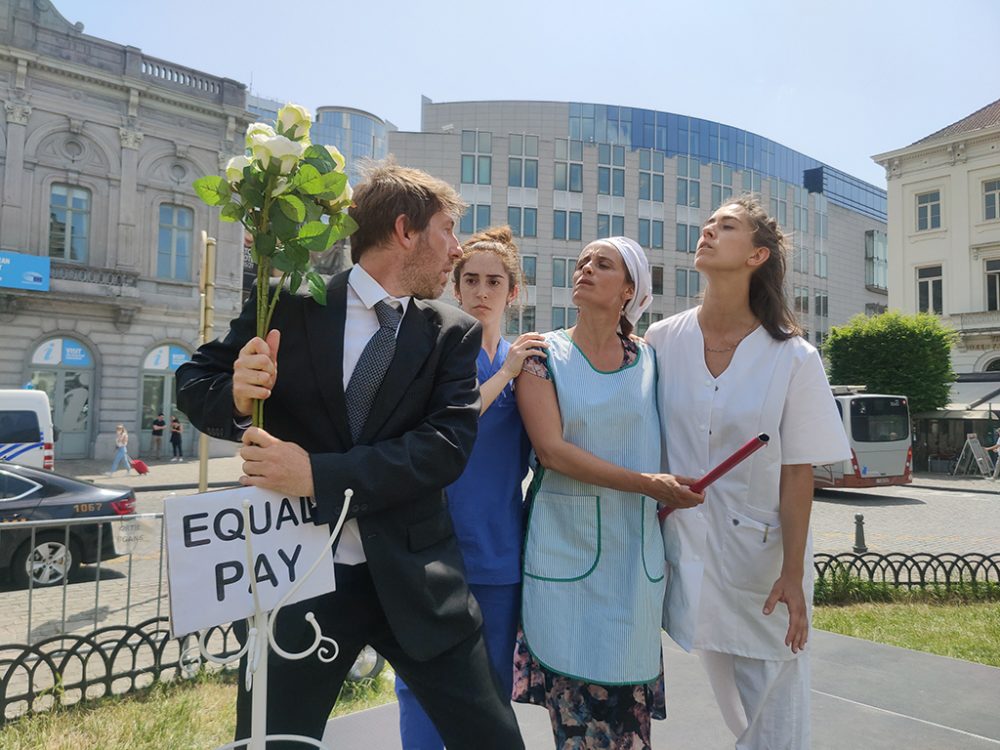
(764, 703)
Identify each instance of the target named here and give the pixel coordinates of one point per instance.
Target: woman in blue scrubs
(486, 502)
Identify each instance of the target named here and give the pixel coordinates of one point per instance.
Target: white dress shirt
(361, 324)
(723, 556)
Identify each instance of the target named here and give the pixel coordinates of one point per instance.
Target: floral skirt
(587, 716)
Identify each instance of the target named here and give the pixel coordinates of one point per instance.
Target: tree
(909, 355)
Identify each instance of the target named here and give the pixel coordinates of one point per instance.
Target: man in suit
(334, 421)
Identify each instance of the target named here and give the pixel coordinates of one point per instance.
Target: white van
(26, 434)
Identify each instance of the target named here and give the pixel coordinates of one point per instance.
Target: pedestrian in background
(176, 429)
(156, 447)
(121, 450)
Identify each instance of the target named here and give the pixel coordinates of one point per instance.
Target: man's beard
(421, 281)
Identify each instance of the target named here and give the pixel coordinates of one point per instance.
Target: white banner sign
(207, 560)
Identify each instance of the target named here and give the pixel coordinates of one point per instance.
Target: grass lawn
(187, 715)
(969, 631)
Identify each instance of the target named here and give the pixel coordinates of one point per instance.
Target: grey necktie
(371, 368)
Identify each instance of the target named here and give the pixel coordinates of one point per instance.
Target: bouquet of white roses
(292, 197)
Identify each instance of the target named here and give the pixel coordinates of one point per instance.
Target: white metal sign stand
(260, 639)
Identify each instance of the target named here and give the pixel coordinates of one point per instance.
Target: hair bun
(501, 234)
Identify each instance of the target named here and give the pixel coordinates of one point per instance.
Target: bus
(878, 430)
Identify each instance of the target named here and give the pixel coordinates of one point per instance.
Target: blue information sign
(20, 271)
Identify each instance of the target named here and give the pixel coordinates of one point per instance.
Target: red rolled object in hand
(752, 445)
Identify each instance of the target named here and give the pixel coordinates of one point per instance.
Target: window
(820, 269)
(173, 251)
(563, 317)
(610, 225)
(874, 308)
(528, 266)
(722, 184)
(645, 321)
(610, 170)
(688, 182)
(650, 175)
(800, 258)
(562, 272)
(523, 221)
(801, 300)
(993, 285)
(69, 223)
(651, 233)
(929, 290)
(800, 210)
(822, 304)
(688, 282)
(476, 218)
(929, 211)
(522, 171)
(991, 200)
(477, 162)
(876, 259)
(520, 320)
(779, 203)
(657, 274)
(567, 225)
(751, 182)
(569, 165)
(819, 226)
(687, 238)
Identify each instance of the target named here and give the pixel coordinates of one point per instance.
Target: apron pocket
(751, 552)
(564, 537)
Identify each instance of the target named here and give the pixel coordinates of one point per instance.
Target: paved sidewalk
(864, 695)
(163, 474)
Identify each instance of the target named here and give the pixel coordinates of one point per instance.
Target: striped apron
(593, 561)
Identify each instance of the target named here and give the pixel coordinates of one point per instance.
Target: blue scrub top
(486, 502)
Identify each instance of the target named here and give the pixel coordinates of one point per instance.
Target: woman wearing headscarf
(593, 578)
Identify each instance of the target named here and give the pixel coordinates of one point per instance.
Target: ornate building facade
(98, 150)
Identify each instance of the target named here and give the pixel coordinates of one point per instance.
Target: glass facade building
(712, 142)
(564, 173)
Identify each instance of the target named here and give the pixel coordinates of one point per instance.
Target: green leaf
(298, 254)
(292, 207)
(252, 193)
(232, 211)
(308, 180)
(295, 281)
(320, 158)
(213, 189)
(317, 287)
(282, 262)
(342, 226)
(313, 211)
(333, 185)
(264, 245)
(283, 227)
(314, 236)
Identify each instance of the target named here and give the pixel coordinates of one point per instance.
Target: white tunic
(724, 556)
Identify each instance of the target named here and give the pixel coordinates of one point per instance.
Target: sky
(838, 80)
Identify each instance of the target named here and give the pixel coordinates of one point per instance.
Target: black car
(51, 557)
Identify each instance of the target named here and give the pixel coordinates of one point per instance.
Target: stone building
(99, 148)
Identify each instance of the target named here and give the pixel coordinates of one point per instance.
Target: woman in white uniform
(732, 368)
(593, 577)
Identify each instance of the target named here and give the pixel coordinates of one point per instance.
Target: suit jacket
(416, 440)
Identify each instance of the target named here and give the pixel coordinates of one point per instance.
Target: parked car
(52, 556)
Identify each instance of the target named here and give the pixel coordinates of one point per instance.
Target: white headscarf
(638, 268)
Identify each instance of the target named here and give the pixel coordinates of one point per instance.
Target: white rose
(258, 129)
(293, 116)
(285, 150)
(235, 167)
(338, 158)
(280, 186)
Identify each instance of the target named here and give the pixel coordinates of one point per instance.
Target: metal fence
(105, 630)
